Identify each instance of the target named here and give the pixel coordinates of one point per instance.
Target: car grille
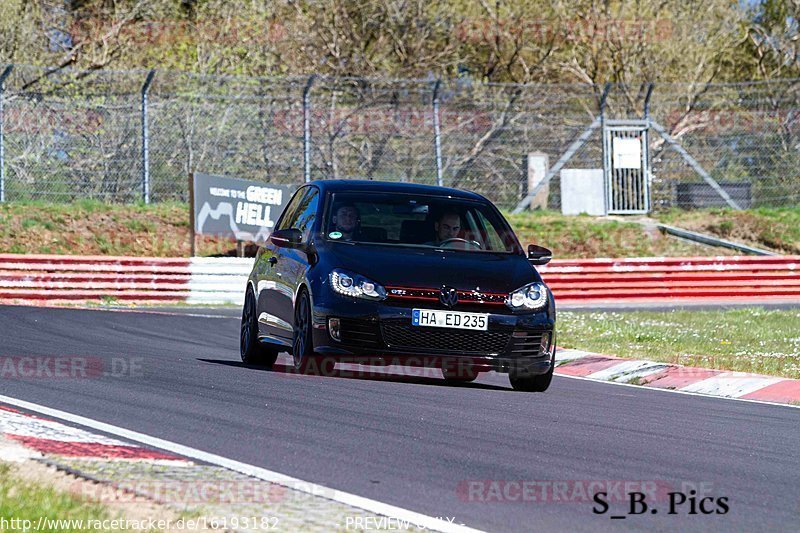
(400, 334)
(412, 296)
(360, 332)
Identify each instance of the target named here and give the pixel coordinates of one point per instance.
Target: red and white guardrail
(64, 278)
(750, 278)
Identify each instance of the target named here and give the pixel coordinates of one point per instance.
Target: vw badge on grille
(448, 296)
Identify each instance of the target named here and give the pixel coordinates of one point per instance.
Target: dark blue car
(397, 273)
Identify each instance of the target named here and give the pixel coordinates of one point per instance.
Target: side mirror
(287, 238)
(539, 255)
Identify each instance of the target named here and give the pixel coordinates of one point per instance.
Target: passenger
(346, 221)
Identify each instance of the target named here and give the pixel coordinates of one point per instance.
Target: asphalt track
(412, 441)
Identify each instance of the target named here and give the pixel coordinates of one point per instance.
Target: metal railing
(129, 136)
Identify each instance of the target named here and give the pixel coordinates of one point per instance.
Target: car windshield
(419, 221)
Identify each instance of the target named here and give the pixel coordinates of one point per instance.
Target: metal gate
(626, 166)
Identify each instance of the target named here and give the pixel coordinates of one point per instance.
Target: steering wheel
(476, 244)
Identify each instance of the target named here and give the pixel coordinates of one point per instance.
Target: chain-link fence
(109, 135)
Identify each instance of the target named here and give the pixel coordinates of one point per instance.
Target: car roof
(392, 186)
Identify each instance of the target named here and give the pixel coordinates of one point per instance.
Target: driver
(447, 227)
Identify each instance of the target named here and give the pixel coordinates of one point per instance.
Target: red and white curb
(48, 437)
(666, 376)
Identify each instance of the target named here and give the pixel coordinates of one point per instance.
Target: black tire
(526, 383)
(252, 351)
(459, 375)
(302, 346)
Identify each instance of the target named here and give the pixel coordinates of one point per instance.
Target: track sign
(240, 209)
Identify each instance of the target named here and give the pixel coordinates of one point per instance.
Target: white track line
(671, 391)
(140, 310)
(299, 485)
(145, 311)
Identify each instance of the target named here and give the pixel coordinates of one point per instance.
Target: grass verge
(770, 228)
(91, 227)
(748, 340)
(24, 500)
(589, 237)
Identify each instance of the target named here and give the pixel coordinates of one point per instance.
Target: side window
(488, 233)
(288, 217)
(306, 212)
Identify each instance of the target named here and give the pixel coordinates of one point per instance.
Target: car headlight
(356, 286)
(532, 296)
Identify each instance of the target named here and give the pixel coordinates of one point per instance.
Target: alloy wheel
(301, 329)
(247, 334)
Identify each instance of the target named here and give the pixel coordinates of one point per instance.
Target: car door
(290, 265)
(267, 278)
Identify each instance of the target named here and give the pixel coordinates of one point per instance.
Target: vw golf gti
(398, 273)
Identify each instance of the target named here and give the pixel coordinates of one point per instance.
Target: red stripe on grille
(416, 293)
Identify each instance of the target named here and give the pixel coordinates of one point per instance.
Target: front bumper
(377, 333)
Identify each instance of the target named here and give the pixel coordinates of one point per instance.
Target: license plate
(449, 319)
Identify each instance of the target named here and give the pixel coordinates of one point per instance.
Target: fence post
(603, 99)
(607, 155)
(649, 176)
(437, 134)
(146, 139)
(650, 87)
(3, 77)
(307, 129)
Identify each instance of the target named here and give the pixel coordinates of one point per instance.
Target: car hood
(409, 267)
